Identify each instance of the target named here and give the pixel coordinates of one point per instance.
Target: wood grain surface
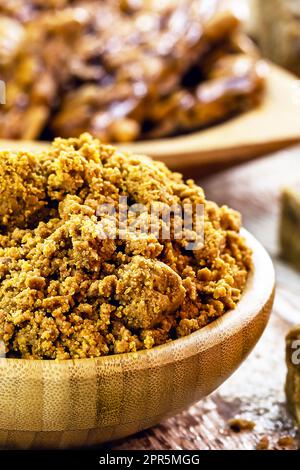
(256, 390)
(273, 125)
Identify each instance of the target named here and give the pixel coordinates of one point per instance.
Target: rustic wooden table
(256, 391)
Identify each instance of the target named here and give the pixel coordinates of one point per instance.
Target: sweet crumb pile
(67, 292)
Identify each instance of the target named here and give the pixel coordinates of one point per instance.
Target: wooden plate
(72, 403)
(273, 125)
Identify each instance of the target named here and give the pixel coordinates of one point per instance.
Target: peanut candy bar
(125, 70)
(290, 226)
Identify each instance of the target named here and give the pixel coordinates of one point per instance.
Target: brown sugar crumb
(73, 287)
(239, 425)
(263, 443)
(286, 442)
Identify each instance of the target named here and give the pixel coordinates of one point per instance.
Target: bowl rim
(261, 281)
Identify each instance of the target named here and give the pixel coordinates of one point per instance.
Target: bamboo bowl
(63, 404)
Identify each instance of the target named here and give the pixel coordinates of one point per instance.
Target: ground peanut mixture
(67, 292)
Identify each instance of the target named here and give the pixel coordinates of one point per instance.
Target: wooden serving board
(273, 125)
(256, 391)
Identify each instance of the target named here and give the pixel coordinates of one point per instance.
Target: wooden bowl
(63, 404)
(271, 126)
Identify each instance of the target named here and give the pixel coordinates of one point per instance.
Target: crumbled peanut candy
(147, 291)
(289, 232)
(263, 443)
(286, 441)
(239, 424)
(277, 30)
(164, 68)
(68, 292)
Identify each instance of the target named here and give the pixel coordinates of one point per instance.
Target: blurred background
(190, 82)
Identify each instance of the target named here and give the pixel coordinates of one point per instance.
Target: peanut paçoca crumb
(263, 443)
(239, 424)
(286, 441)
(73, 287)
